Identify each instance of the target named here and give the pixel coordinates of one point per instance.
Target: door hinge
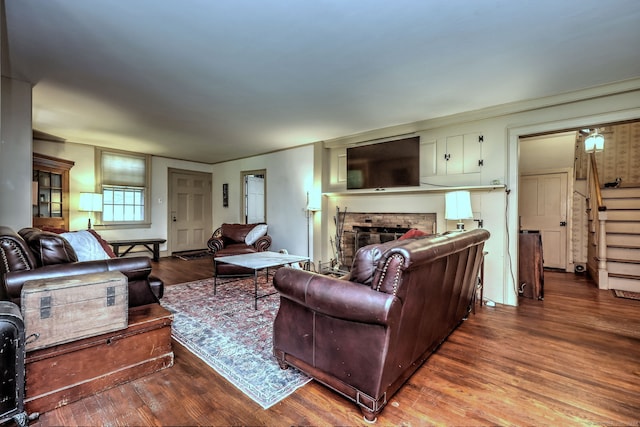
(447, 157)
(480, 162)
(480, 138)
(563, 223)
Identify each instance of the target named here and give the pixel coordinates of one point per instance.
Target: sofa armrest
(263, 243)
(337, 298)
(215, 244)
(137, 270)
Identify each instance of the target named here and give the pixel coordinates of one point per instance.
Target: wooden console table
(152, 245)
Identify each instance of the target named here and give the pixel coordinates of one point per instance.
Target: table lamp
(458, 207)
(90, 202)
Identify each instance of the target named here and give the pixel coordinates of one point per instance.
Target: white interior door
(190, 219)
(543, 207)
(254, 192)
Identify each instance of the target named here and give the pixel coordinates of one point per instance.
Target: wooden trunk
(58, 375)
(64, 309)
(531, 270)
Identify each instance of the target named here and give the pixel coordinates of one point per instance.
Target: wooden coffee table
(258, 261)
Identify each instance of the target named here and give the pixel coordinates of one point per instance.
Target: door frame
(243, 195)
(170, 172)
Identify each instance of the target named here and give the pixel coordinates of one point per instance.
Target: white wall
(502, 127)
(15, 154)
(547, 152)
(289, 176)
(82, 178)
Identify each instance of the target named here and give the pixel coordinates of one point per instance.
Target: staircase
(623, 237)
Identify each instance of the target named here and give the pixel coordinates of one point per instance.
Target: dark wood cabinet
(531, 270)
(51, 191)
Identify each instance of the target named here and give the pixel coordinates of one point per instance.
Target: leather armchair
(231, 239)
(34, 254)
(366, 335)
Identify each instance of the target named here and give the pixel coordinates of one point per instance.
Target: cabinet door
(51, 201)
(451, 158)
(472, 157)
(428, 156)
(459, 154)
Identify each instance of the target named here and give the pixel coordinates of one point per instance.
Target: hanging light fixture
(594, 142)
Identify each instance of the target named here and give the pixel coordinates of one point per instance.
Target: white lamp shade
(90, 202)
(594, 142)
(458, 205)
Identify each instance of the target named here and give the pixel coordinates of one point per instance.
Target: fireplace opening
(361, 229)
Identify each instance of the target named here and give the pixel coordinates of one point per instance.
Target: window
(124, 180)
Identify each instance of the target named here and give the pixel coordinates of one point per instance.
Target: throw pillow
(256, 232)
(412, 234)
(85, 245)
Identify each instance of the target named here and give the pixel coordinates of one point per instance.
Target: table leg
(255, 288)
(215, 276)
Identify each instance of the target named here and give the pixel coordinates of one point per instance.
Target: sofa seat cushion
(235, 249)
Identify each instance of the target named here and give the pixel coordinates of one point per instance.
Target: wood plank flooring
(572, 359)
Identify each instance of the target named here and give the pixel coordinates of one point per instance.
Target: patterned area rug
(191, 255)
(227, 333)
(626, 294)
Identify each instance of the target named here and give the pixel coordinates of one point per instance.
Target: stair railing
(598, 237)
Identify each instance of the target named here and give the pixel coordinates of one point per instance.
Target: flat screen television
(384, 165)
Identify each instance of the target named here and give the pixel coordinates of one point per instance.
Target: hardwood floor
(572, 359)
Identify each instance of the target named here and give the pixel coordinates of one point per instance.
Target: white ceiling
(213, 80)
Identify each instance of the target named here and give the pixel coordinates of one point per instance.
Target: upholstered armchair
(365, 335)
(237, 239)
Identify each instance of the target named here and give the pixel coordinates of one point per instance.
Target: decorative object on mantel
(90, 202)
(458, 207)
(337, 243)
(227, 333)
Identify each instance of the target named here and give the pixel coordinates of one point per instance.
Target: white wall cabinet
(459, 154)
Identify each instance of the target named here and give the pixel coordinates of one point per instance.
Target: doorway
(254, 198)
(545, 196)
(190, 216)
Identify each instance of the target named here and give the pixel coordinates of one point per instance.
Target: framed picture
(225, 195)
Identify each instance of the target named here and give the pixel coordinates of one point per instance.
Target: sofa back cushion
(235, 233)
(48, 248)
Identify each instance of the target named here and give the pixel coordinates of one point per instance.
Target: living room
(312, 172)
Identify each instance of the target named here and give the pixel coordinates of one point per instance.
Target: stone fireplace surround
(364, 228)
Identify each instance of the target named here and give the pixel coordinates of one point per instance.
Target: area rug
(626, 294)
(226, 332)
(191, 255)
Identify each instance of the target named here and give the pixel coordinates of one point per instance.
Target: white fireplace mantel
(411, 190)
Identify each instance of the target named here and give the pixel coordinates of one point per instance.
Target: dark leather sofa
(364, 335)
(230, 239)
(33, 254)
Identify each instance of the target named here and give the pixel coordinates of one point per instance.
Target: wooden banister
(595, 182)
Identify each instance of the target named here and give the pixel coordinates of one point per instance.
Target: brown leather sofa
(365, 335)
(231, 239)
(33, 254)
